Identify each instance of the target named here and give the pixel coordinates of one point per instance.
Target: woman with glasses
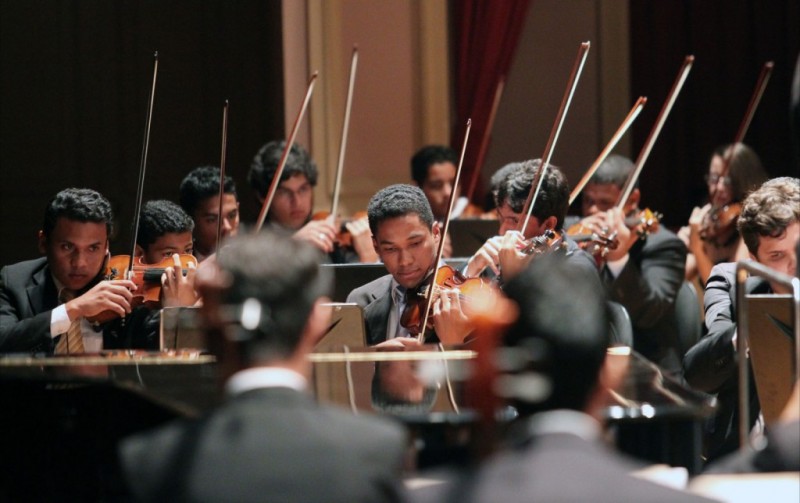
(711, 236)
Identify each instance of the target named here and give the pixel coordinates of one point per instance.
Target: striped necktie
(71, 341)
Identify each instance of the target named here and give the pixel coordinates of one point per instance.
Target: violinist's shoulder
(375, 289)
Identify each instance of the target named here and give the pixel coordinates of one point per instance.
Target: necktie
(71, 341)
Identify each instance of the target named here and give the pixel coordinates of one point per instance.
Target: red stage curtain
(486, 34)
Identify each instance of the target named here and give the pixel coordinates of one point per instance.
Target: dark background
(74, 83)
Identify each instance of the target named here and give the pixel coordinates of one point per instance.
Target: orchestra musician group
(261, 295)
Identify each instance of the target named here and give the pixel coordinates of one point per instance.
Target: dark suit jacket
(28, 296)
(647, 288)
(376, 298)
(711, 364)
(554, 467)
(269, 444)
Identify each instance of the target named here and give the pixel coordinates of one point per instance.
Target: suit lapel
(376, 316)
(42, 293)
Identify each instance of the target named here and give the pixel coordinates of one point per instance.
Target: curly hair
(396, 201)
(769, 210)
(83, 205)
(161, 217)
(265, 164)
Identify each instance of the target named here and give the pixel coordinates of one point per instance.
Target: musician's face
(291, 206)
(167, 245)
(720, 191)
(597, 197)
(407, 248)
(510, 221)
(780, 253)
(75, 251)
(438, 186)
(205, 222)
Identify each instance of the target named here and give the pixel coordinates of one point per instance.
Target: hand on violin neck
(115, 296)
(320, 233)
(486, 256)
(178, 290)
(511, 259)
(451, 324)
(615, 223)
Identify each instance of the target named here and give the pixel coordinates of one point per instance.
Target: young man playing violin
(406, 237)
(199, 197)
(293, 203)
(41, 300)
(769, 224)
(645, 271)
(501, 254)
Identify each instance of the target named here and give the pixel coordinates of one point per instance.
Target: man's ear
(436, 230)
(42, 242)
(550, 223)
(375, 245)
(138, 251)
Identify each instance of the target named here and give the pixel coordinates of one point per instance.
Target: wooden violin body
(147, 278)
(548, 242)
(446, 277)
(719, 225)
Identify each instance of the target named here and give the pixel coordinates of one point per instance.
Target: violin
(343, 239)
(445, 277)
(147, 278)
(548, 242)
(719, 225)
(642, 222)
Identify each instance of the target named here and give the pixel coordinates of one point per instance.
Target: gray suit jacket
(554, 467)
(269, 444)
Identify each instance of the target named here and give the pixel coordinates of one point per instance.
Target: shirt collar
(564, 421)
(264, 377)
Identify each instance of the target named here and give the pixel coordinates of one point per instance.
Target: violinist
(501, 253)
(769, 224)
(405, 236)
(711, 236)
(292, 206)
(645, 270)
(199, 197)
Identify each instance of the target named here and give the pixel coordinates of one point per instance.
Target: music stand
(764, 320)
(467, 235)
(181, 328)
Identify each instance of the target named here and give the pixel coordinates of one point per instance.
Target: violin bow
(686, 67)
(273, 187)
(572, 84)
(443, 233)
(222, 159)
(345, 129)
(487, 134)
(143, 163)
(623, 128)
(755, 99)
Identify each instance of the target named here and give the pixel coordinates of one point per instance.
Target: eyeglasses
(713, 179)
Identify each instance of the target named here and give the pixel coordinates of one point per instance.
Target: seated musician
(549, 212)
(406, 237)
(269, 440)
(43, 300)
(770, 226)
(645, 270)
(199, 197)
(553, 373)
(293, 203)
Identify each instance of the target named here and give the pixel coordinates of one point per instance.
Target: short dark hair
(161, 217)
(286, 282)
(769, 210)
(562, 332)
(396, 201)
(265, 164)
(553, 199)
(428, 156)
(200, 184)
(614, 170)
(82, 205)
